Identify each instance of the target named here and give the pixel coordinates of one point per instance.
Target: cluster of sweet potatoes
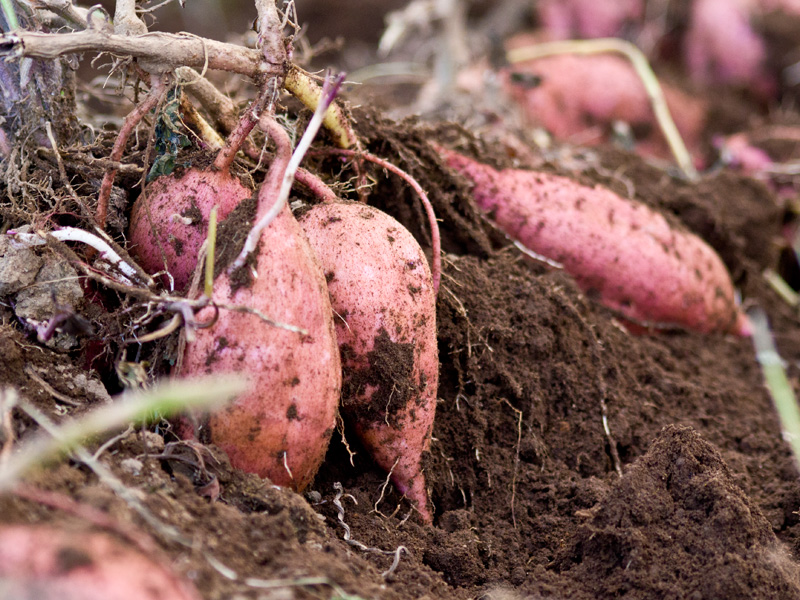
(353, 326)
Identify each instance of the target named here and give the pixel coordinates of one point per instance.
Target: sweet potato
(721, 46)
(578, 98)
(622, 251)
(565, 19)
(381, 289)
(170, 222)
(281, 429)
(48, 563)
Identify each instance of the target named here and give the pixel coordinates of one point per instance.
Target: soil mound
(677, 526)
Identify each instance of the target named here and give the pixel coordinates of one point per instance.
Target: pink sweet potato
(578, 99)
(721, 46)
(381, 289)
(565, 19)
(48, 563)
(281, 429)
(619, 250)
(170, 222)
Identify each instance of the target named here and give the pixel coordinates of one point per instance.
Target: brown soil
(570, 458)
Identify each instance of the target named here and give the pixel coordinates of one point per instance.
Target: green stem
(210, 250)
(776, 380)
(167, 398)
(10, 15)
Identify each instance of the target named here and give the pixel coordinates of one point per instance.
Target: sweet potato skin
(170, 199)
(380, 285)
(48, 563)
(622, 251)
(281, 429)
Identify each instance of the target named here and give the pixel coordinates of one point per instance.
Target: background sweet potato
(48, 563)
(381, 289)
(565, 19)
(621, 250)
(578, 99)
(721, 46)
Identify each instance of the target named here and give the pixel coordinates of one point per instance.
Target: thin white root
(73, 234)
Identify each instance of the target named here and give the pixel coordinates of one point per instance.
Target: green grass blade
(776, 380)
(167, 399)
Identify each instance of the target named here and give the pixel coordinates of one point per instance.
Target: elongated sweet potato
(170, 222)
(381, 288)
(48, 563)
(621, 250)
(282, 428)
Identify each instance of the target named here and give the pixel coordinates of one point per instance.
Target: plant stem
(157, 89)
(777, 382)
(329, 90)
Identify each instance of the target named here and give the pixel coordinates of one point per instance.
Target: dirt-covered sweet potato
(620, 250)
(381, 290)
(41, 562)
(281, 429)
(169, 222)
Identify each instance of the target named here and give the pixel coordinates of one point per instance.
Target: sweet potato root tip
(622, 251)
(379, 281)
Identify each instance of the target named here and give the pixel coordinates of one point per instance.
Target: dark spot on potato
(389, 370)
(330, 276)
(253, 432)
(68, 559)
(291, 413)
(193, 213)
(177, 245)
(294, 382)
(231, 234)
